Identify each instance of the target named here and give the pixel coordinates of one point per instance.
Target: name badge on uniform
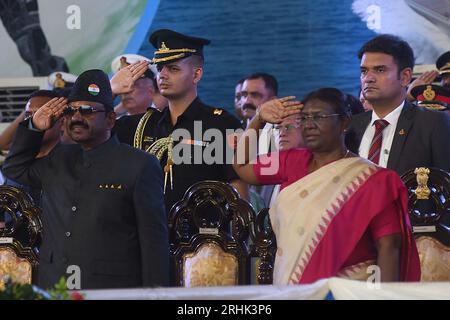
(195, 142)
(5, 240)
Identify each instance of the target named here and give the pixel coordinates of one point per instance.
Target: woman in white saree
(337, 214)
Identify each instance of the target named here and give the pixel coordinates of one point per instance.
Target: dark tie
(375, 146)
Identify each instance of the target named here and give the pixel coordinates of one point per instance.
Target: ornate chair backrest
(429, 212)
(210, 236)
(264, 247)
(20, 237)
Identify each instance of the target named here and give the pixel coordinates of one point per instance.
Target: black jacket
(187, 173)
(103, 210)
(422, 138)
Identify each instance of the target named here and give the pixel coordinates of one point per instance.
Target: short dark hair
(354, 104)
(334, 97)
(270, 81)
(241, 81)
(392, 45)
(44, 93)
(196, 61)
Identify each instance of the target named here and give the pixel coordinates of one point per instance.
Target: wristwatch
(28, 115)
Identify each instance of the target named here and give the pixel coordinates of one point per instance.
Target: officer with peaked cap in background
(99, 213)
(441, 75)
(143, 93)
(432, 97)
(179, 60)
(443, 65)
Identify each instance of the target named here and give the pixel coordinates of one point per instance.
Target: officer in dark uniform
(440, 76)
(432, 97)
(443, 66)
(179, 60)
(100, 213)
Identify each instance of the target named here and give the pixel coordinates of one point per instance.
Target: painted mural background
(305, 44)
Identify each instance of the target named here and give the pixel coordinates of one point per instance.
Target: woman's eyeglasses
(317, 119)
(84, 110)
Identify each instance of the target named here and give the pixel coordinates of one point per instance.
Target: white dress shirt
(268, 140)
(388, 135)
(275, 192)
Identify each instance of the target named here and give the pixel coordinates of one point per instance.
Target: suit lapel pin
(402, 132)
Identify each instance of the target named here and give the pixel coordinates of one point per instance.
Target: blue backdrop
(305, 44)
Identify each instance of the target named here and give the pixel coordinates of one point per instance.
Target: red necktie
(375, 146)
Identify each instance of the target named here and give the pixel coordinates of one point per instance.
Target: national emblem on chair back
(210, 236)
(429, 212)
(20, 237)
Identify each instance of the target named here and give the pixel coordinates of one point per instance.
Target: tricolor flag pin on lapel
(93, 89)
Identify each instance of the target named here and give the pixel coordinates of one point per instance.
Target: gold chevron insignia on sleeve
(218, 112)
(112, 187)
(119, 187)
(100, 186)
(106, 186)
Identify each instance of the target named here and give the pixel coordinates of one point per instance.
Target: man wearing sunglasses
(100, 213)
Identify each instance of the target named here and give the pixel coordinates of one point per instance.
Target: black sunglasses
(83, 109)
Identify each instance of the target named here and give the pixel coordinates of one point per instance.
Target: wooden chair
(212, 237)
(264, 247)
(20, 237)
(429, 212)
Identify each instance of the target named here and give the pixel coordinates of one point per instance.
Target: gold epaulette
(157, 148)
(139, 134)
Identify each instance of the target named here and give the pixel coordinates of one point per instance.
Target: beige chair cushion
(210, 266)
(18, 269)
(434, 259)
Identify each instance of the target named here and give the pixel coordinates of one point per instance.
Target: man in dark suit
(396, 134)
(103, 203)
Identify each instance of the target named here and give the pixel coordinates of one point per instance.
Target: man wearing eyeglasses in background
(288, 135)
(99, 213)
